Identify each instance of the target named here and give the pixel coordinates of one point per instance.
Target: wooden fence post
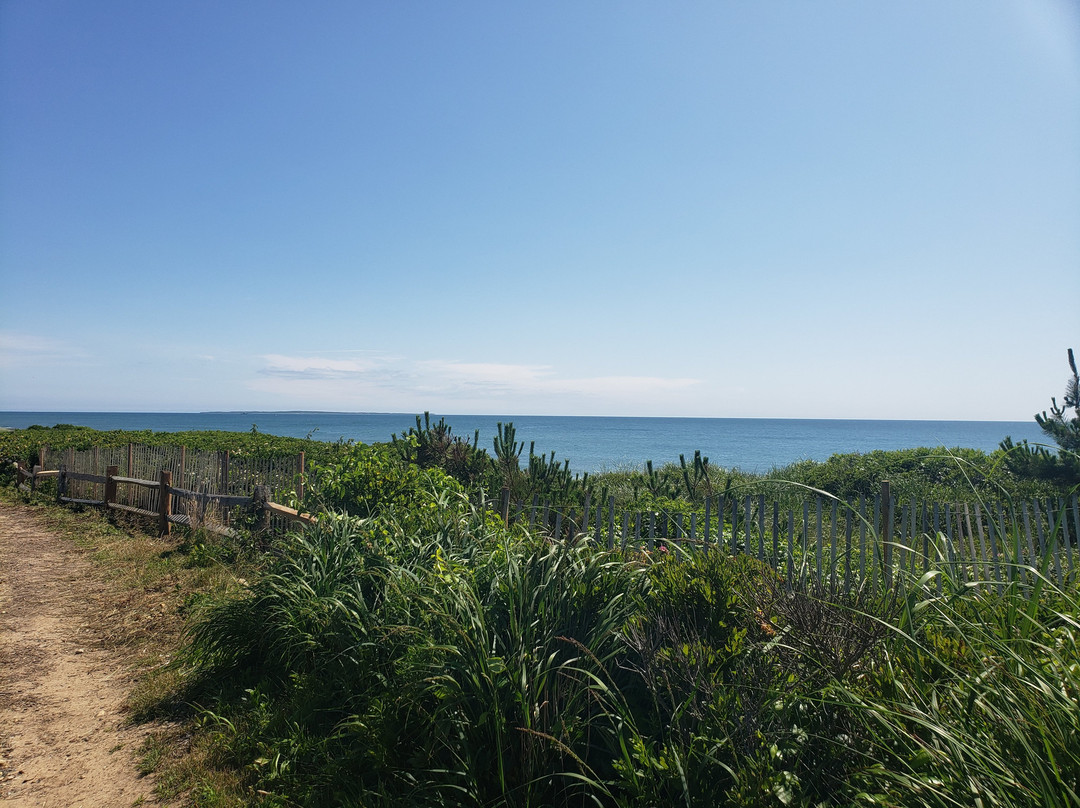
(33, 480)
(61, 484)
(110, 484)
(225, 472)
(259, 498)
(165, 503)
(300, 481)
(41, 456)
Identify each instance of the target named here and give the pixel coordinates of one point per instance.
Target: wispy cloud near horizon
(316, 367)
(402, 382)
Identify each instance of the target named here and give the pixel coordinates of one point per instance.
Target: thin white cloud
(315, 367)
(401, 382)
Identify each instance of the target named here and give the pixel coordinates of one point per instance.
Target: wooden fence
(197, 489)
(824, 542)
(836, 545)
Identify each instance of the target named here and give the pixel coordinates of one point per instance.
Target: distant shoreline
(591, 443)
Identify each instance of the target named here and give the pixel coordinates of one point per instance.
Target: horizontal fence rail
(210, 487)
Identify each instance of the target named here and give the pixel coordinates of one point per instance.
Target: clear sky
(730, 209)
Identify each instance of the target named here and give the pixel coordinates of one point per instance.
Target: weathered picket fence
(836, 545)
(175, 485)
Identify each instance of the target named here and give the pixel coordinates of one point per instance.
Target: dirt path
(63, 737)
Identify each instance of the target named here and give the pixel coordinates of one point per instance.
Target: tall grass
(983, 706)
(425, 654)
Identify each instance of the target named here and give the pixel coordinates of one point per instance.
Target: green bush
(369, 481)
(22, 444)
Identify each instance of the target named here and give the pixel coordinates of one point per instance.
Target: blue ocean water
(591, 443)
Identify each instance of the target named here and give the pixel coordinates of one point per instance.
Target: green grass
(411, 650)
(478, 667)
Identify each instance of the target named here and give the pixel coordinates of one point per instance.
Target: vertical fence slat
(888, 524)
(1063, 508)
(913, 539)
(925, 533)
(938, 552)
(1009, 552)
(817, 545)
(987, 570)
(1056, 526)
(995, 551)
(761, 528)
(734, 526)
(978, 557)
(1074, 558)
(748, 521)
(1039, 533)
(611, 522)
(790, 548)
(832, 544)
(901, 541)
(876, 548)
(1031, 561)
(950, 544)
(775, 535)
(862, 538)
(964, 545)
(803, 561)
(848, 526)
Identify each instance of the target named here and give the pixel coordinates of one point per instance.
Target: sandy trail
(63, 737)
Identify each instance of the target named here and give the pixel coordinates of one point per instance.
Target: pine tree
(1062, 429)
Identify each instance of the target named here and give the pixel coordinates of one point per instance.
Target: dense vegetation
(21, 445)
(411, 649)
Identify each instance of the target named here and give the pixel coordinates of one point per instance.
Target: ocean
(591, 443)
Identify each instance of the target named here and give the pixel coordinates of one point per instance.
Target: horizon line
(499, 415)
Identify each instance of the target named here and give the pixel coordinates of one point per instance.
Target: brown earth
(64, 737)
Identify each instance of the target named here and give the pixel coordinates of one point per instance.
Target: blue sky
(776, 209)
